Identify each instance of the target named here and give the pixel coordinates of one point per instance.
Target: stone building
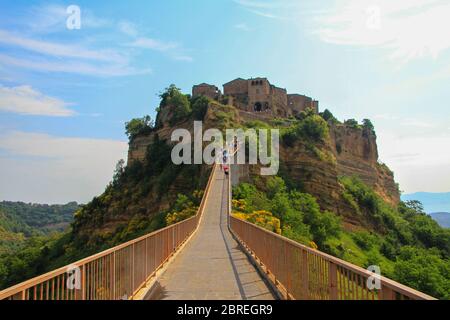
(207, 90)
(259, 96)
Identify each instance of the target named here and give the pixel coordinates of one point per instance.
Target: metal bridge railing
(304, 273)
(114, 274)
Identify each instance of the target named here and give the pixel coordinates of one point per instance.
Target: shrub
(173, 96)
(352, 123)
(310, 126)
(368, 126)
(423, 270)
(138, 126)
(199, 107)
(263, 219)
(328, 116)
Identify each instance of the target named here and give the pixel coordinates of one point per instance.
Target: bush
(138, 126)
(261, 218)
(424, 270)
(310, 126)
(328, 116)
(199, 107)
(299, 213)
(182, 209)
(368, 126)
(314, 127)
(173, 97)
(352, 123)
(365, 240)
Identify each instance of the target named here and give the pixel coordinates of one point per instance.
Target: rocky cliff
(356, 153)
(315, 169)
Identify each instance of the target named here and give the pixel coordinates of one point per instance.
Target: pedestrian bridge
(212, 255)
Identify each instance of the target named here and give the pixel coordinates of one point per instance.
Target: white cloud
(419, 163)
(279, 9)
(52, 18)
(173, 49)
(407, 29)
(242, 26)
(43, 168)
(410, 122)
(28, 101)
(128, 28)
(60, 50)
(185, 58)
(46, 57)
(148, 43)
(75, 67)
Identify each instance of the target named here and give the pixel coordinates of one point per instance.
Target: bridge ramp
(211, 265)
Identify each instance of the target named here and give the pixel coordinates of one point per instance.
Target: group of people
(225, 157)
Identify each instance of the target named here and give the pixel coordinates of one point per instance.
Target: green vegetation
(406, 243)
(26, 232)
(328, 116)
(20, 221)
(352, 123)
(199, 107)
(172, 96)
(184, 207)
(310, 127)
(138, 126)
(128, 208)
(35, 219)
(300, 216)
(368, 126)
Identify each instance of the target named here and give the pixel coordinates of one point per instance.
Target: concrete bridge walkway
(211, 265)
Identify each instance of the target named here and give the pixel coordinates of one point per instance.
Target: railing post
(146, 259)
(132, 267)
(386, 293)
(83, 283)
(114, 276)
(305, 276)
(332, 280)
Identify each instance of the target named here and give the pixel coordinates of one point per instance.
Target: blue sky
(65, 94)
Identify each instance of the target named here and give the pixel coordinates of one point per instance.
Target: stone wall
(259, 95)
(206, 90)
(298, 103)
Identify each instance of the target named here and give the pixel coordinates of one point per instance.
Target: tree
(172, 96)
(314, 127)
(199, 107)
(328, 116)
(367, 125)
(120, 169)
(423, 270)
(137, 126)
(352, 123)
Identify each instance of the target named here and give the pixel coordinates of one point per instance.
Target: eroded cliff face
(316, 170)
(356, 153)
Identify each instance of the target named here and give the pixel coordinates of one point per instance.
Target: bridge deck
(211, 265)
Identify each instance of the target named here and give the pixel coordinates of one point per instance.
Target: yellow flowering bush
(313, 245)
(175, 217)
(239, 205)
(261, 218)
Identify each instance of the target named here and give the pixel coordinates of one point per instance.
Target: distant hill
(443, 218)
(432, 202)
(19, 221)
